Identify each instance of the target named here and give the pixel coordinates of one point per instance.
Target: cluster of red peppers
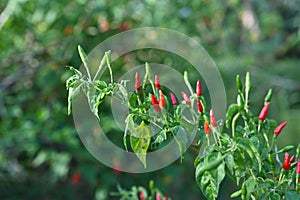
(288, 160)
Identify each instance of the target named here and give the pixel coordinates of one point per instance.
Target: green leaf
(229, 160)
(292, 195)
(161, 136)
(140, 142)
(75, 71)
(82, 55)
(182, 138)
(210, 172)
(250, 185)
(232, 109)
(239, 84)
(251, 150)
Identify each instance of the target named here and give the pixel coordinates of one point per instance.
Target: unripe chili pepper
(162, 100)
(157, 196)
(155, 103)
(141, 194)
(279, 128)
(173, 99)
(268, 96)
(199, 106)
(157, 82)
(298, 168)
(213, 121)
(137, 82)
(286, 162)
(239, 84)
(206, 128)
(264, 112)
(186, 98)
(198, 88)
(292, 159)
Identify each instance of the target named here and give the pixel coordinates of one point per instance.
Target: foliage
(38, 143)
(246, 155)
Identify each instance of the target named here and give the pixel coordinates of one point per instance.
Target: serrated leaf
(141, 141)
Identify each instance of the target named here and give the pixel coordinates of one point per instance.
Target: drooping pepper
(286, 162)
(162, 100)
(155, 103)
(213, 121)
(173, 99)
(137, 81)
(198, 88)
(279, 128)
(186, 98)
(199, 106)
(206, 128)
(157, 82)
(264, 112)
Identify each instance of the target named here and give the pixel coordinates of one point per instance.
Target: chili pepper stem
(267, 140)
(208, 140)
(274, 138)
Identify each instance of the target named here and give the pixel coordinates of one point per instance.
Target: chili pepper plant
(244, 149)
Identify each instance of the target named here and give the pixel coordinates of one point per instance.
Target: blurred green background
(41, 156)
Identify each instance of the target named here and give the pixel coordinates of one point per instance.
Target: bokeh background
(41, 156)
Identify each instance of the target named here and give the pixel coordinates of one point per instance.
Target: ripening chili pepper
(155, 103)
(137, 82)
(157, 82)
(157, 196)
(298, 168)
(279, 128)
(264, 112)
(286, 162)
(292, 159)
(186, 98)
(162, 100)
(141, 194)
(206, 128)
(173, 99)
(213, 121)
(199, 106)
(198, 88)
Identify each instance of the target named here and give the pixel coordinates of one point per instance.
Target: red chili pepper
(186, 98)
(198, 88)
(292, 159)
(162, 100)
(279, 128)
(137, 81)
(213, 121)
(298, 167)
(157, 82)
(264, 112)
(173, 99)
(206, 128)
(286, 162)
(141, 194)
(155, 103)
(76, 178)
(157, 196)
(165, 198)
(199, 105)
